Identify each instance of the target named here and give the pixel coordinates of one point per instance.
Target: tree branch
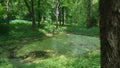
(27, 5)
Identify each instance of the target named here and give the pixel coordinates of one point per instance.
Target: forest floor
(25, 48)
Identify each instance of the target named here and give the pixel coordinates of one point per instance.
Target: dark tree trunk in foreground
(110, 33)
(8, 11)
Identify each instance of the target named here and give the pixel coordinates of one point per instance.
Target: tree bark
(39, 17)
(57, 13)
(88, 25)
(63, 16)
(110, 33)
(8, 11)
(67, 16)
(33, 14)
(31, 11)
(60, 16)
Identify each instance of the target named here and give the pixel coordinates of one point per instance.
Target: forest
(59, 34)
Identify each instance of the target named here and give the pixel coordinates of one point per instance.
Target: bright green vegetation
(82, 30)
(75, 51)
(34, 35)
(91, 60)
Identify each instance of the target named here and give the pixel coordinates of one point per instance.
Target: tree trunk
(8, 11)
(67, 16)
(63, 16)
(28, 6)
(110, 33)
(31, 11)
(88, 25)
(57, 13)
(39, 17)
(60, 16)
(33, 14)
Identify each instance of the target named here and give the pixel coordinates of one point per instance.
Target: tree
(60, 16)
(57, 12)
(110, 33)
(31, 11)
(75, 12)
(8, 10)
(33, 14)
(62, 11)
(39, 18)
(63, 15)
(88, 25)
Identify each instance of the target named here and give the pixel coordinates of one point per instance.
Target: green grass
(22, 34)
(82, 30)
(18, 32)
(89, 60)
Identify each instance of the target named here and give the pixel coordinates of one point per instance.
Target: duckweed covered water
(72, 45)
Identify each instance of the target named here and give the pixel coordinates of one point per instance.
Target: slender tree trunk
(88, 24)
(33, 14)
(8, 11)
(57, 13)
(39, 17)
(31, 11)
(60, 13)
(75, 18)
(110, 33)
(63, 16)
(60, 16)
(67, 16)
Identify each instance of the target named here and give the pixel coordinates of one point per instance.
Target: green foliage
(2, 14)
(4, 29)
(95, 16)
(78, 11)
(50, 28)
(17, 31)
(23, 30)
(28, 40)
(4, 63)
(82, 30)
(20, 33)
(91, 60)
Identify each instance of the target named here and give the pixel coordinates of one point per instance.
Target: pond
(68, 44)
